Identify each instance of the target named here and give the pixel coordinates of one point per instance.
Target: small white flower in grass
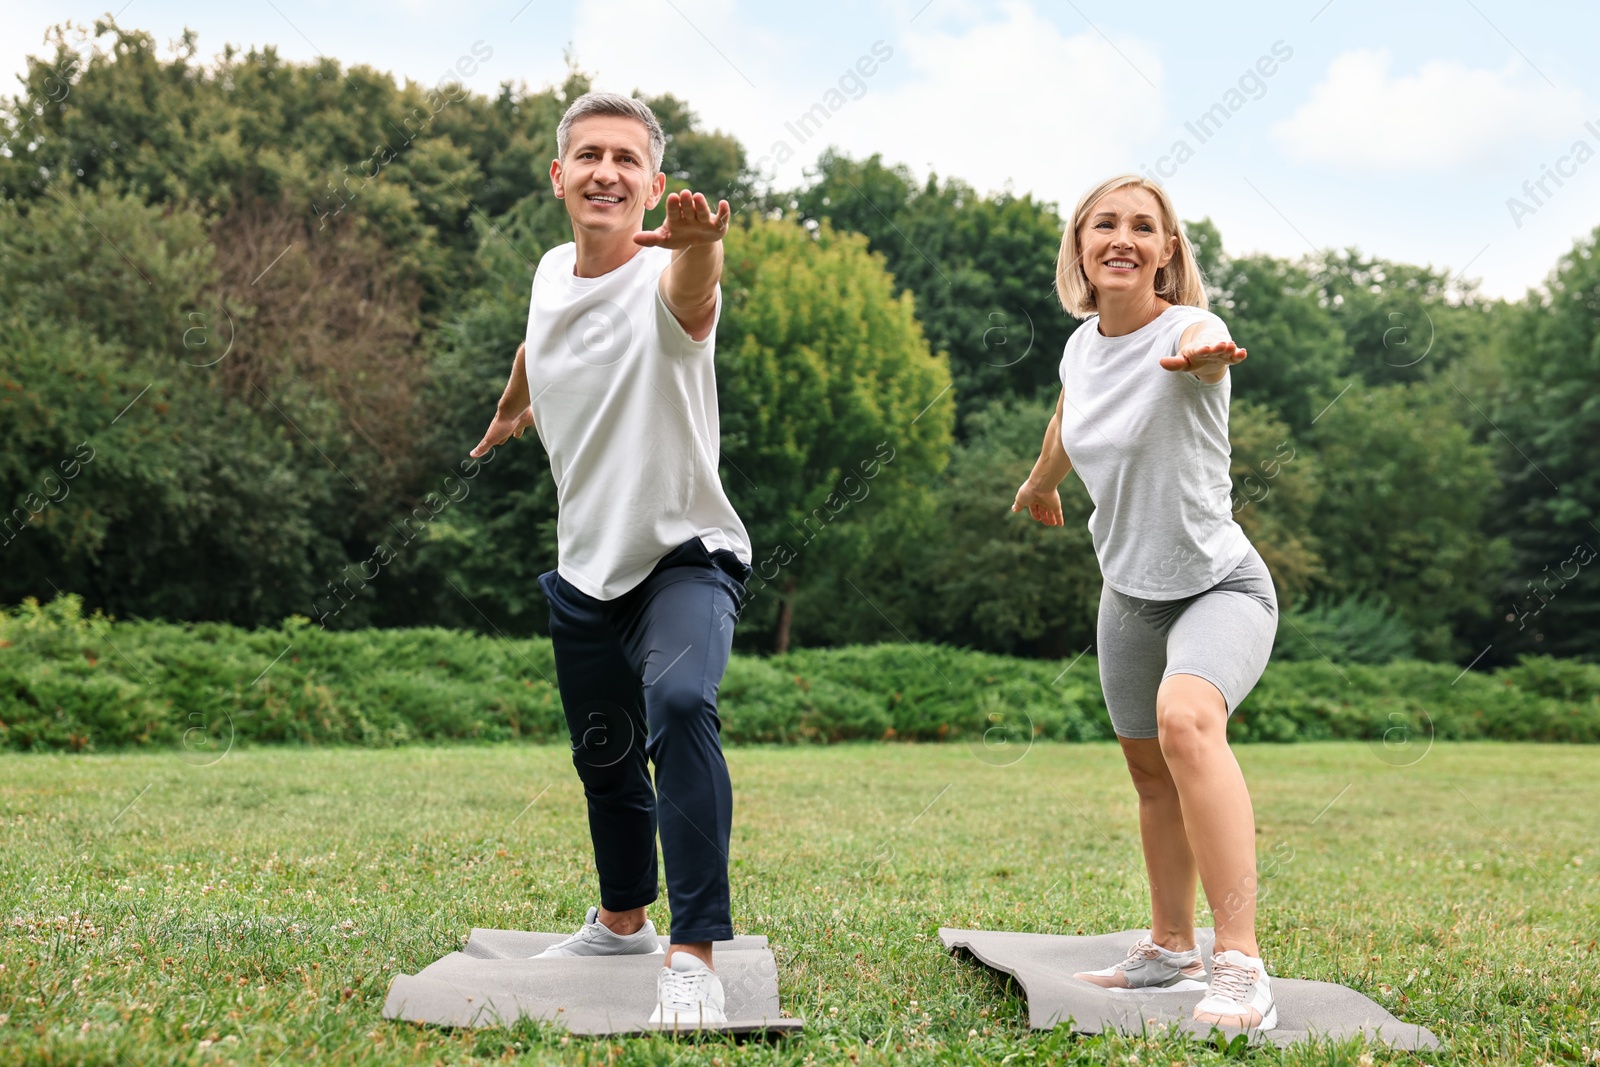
(972, 1033)
(1365, 1060)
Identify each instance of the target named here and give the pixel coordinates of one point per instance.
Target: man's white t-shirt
(625, 403)
(1151, 446)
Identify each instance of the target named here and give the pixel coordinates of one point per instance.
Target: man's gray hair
(613, 104)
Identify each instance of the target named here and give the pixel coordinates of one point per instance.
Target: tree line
(253, 314)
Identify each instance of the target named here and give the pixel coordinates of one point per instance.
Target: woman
(1187, 610)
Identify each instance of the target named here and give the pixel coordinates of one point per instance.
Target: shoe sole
(1269, 1021)
(1183, 985)
(657, 951)
(688, 1023)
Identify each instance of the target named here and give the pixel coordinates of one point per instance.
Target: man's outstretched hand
(689, 222)
(501, 429)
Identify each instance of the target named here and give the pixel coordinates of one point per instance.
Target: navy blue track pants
(638, 677)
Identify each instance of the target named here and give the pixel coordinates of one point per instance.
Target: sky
(1461, 134)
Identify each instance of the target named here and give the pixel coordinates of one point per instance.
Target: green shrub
(1353, 630)
(73, 683)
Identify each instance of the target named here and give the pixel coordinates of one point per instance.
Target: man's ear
(658, 186)
(556, 181)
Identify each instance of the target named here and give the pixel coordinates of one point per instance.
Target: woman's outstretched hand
(1204, 359)
(1042, 504)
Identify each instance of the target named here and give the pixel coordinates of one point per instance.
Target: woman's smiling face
(1123, 244)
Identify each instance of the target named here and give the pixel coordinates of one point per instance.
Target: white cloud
(727, 70)
(1362, 117)
(1013, 100)
(1009, 99)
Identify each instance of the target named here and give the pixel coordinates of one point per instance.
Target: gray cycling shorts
(1223, 635)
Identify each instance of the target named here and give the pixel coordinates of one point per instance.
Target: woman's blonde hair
(1179, 282)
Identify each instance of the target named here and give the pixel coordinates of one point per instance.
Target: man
(616, 375)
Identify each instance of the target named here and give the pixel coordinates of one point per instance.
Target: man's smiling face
(607, 179)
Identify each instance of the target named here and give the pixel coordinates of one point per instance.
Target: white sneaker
(1150, 966)
(597, 939)
(688, 995)
(1240, 993)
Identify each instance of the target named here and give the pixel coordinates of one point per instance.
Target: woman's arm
(1205, 350)
(1038, 495)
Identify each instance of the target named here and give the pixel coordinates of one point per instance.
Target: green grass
(254, 910)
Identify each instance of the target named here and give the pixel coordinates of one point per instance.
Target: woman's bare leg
(1169, 862)
(1193, 719)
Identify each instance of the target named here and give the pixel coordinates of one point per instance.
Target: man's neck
(602, 253)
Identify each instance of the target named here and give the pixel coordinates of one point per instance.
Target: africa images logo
(600, 334)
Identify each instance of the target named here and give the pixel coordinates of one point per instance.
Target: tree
(1276, 488)
(1296, 348)
(1546, 420)
(1000, 581)
(126, 473)
(832, 406)
(982, 269)
(1406, 493)
(709, 162)
(1401, 322)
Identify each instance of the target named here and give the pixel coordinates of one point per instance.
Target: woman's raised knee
(1189, 729)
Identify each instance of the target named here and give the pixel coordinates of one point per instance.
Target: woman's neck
(1123, 313)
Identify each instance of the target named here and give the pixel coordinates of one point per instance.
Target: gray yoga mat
(492, 982)
(1043, 964)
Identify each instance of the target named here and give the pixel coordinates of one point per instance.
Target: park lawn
(254, 910)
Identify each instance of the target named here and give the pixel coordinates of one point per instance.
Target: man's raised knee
(676, 706)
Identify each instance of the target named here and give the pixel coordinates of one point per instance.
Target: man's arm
(689, 284)
(689, 287)
(514, 413)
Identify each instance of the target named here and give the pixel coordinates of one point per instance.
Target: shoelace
(585, 934)
(681, 992)
(1144, 949)
(1231, 980)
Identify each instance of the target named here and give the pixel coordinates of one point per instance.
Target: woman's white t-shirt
(625, 403)
(1151, 446)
